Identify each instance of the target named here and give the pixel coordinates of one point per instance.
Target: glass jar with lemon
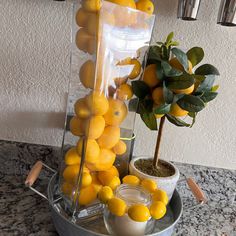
(109, 45)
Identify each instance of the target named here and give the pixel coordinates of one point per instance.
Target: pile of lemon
(137, 212)
(151, 79)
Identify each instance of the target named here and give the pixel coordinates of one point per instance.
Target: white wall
(34, 68)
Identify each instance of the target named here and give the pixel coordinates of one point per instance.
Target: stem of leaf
(158, 143)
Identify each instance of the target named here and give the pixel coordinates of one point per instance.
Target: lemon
(120, 148)
(82, 39)
(97, 103)
(114, 183)
(81, 17)
(92, 24)
(95, 127)
(157, 210)
(136, 66)
(125, 3)
(81, 109)
(70, 174)
(177, 65)
(160, 195)
(91, 45)
(67, 188)
(145, 5)
(150, 76)
(176, 110)
(125, 92)
(139, 213)
(72, 157)
(110, 137)
(86, 179)
(157, 96)
(87, 195)
(91, 5)
(105, 194)
(116, 113)
(188, 90)
(77, 126)
(95, 181)
(107, 175)
(92, 150)
(87, 74)
(149, 185)
(131, 179)
(117, 206)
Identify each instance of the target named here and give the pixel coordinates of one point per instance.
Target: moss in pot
(171, 89)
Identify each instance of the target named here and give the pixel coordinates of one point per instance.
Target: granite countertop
(24, 213)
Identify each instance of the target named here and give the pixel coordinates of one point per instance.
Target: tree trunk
(158, 144)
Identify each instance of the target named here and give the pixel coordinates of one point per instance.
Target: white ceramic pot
(168, 184)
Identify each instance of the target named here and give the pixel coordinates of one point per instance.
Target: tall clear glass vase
(109, 44)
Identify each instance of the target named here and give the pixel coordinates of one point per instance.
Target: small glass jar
(124, 225)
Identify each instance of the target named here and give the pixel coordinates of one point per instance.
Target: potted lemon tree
(171, 89)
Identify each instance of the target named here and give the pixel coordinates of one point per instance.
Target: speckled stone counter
(24, 213)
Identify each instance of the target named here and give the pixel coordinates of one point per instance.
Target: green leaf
(140, 88)
(154, 53)
(193, 116)
(165, 53)
(195, 55)
(159, 43)
(207, 69)
(177, 97)
(174, 43)
(181, 56)
(167, 94)
(180, 82)
(215, 88)
(162, 109)
(133, 104)
(159, 71)
(169, 71)
(208, 96)
(191, 103)
(207, 84)
(145, 106)
(176, 121)
(150, 120)
(199, 78)
(169, 37)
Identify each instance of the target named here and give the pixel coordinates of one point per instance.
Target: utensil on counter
(67, 225)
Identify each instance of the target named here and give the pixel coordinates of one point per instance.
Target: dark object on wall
(227, 13)
(188, 9)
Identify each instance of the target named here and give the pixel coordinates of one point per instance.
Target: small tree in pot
(171, 90)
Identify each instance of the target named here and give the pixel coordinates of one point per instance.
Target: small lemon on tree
(172, 87)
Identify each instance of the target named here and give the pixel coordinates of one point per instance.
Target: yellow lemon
(150, 76)
(107, 175)
(67, 188)
(114, 183)
(81, 17)
(116, 113)
(131, 179)
(92, 24)
(77, 126)
(81, 109)
(87, 74)
(110, 137)
(157, 210)
(91, 5)
(82, 39)
(95, 127)
(145, 5)
(125, 3)
(136, 66)
(117, 206)
(72, 157)
(188, 90)
(157, 96)
(149, 185)
(176, 110)
(105, 194)
(177, 65)
(120, 148)
(97, 103)
(70, 174)
(87, 195)
(125, 92)
(139, 213)
(86, 179)
(91, 45)
(95, 181)
(160, 195)
(92, 150)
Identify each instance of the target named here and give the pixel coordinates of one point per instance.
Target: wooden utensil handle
(196, 190)
(34, 173)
